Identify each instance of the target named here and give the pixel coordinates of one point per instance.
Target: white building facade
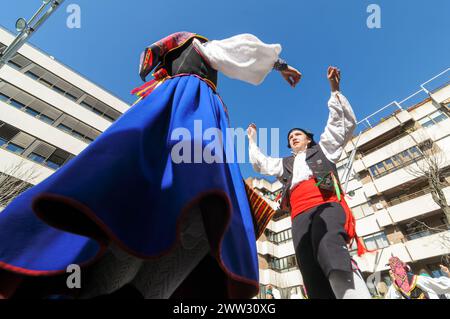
(388, 192)
(48, 114)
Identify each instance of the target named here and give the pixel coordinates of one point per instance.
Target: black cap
(307, 133)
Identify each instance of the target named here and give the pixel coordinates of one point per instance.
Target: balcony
(415, 206)
(429, 246)
(414, 250)
(367, 225)
(279, 225)
(441, 95)
(277, 251)
(394, 178)
(369, 189)
(389, 150)
(384, 127)
(9, 161)
(281, 280)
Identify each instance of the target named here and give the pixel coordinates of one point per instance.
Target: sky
(378, 65)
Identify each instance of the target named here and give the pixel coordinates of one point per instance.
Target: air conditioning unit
(379, 206)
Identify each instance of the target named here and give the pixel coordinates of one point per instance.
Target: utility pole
(349, 166)
(26, 29)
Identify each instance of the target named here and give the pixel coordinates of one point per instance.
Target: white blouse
(243, 57)
(432, 286)
(338, 131)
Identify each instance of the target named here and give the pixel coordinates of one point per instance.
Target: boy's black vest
(320, 167)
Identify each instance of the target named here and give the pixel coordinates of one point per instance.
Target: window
(65, 128)
(362, 210)
(433, 118)
(32, 75)
(16, 104)
(405, 156)
(45, 82)
(36, 157)
(440, 118)
(373, 171)
(3, 141)
(14, 65)
(4, 97)
(357, 212)
(279, 238)
(108, 117)
(419, 234)
(376, 241)
(70, 96)
(395, 162)
(283, 264)
(380, 167)
(15, 148)
(46, 119)
(415, 152)
(58, 158)
(77, 134)
(428, 124)
(96, 111)
(32, 112)
(52, 165)
(389, 163)
(86, 105)
(59, 90)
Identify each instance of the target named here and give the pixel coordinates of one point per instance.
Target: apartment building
(48, 114)
(389, 186)
(388, 190)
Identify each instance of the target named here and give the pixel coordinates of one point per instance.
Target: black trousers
(320, 243)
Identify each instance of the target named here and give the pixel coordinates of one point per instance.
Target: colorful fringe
(262, 212)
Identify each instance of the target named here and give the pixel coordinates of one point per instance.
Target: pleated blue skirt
(126, 188)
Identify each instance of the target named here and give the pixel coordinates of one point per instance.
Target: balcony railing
(408, 197)
(390, 141)
(395, 168)
(427, 232)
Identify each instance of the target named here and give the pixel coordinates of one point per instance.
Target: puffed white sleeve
(393, 293)
(243, 57)
(340, 126)
(434, 286)
(264, 164)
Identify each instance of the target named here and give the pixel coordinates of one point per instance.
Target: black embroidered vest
(186, 59)
(320, 167)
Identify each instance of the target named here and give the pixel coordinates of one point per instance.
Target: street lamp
(26, 29)
(21, 24)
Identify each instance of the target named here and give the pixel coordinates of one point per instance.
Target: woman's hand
(251, 132)
(334, 76)
(291, 75)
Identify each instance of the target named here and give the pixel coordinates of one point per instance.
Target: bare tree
(431, 165)
(443, 238)
(14, 180)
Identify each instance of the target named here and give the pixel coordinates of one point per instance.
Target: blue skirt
(125, 188)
